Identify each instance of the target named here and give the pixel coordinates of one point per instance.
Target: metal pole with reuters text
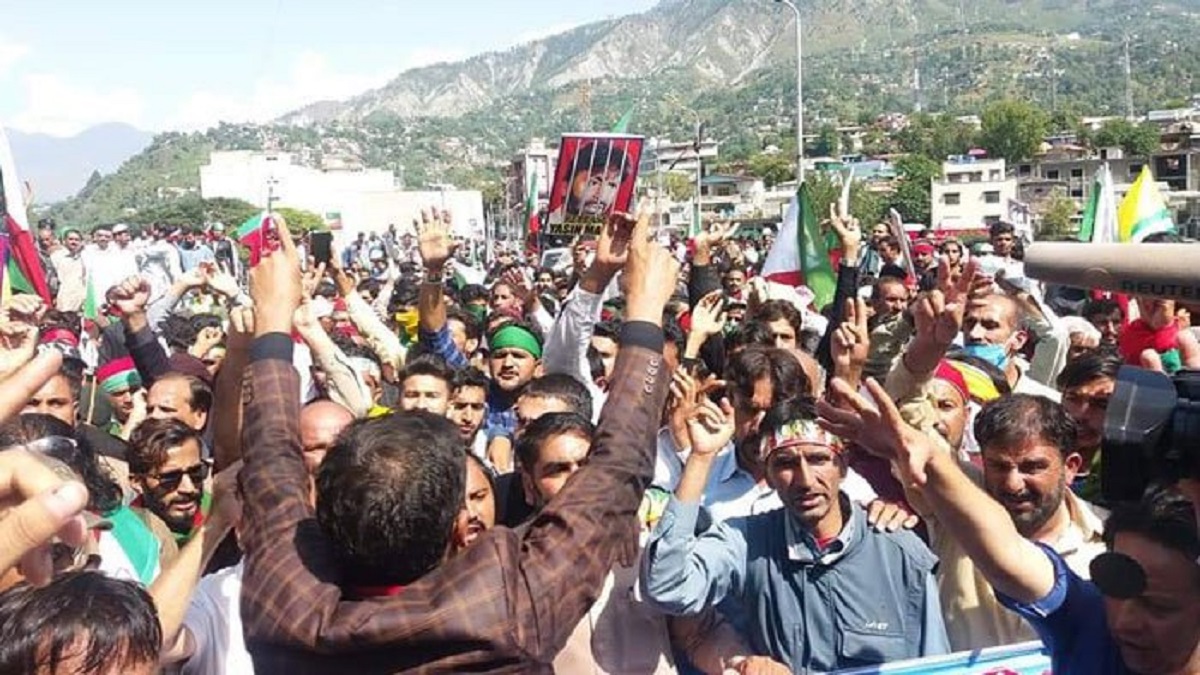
(799, 91)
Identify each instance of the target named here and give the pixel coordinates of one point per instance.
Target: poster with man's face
(595, 176)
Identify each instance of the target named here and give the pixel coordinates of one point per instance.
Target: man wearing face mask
(992, 331)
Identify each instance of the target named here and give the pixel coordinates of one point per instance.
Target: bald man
(320, 423)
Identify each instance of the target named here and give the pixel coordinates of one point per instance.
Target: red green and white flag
(253, 235)
(21, 269)
(531, 210)
(799, 256)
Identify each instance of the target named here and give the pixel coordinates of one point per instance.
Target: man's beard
(1029, 523)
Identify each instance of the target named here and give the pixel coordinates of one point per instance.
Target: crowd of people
(653, 460)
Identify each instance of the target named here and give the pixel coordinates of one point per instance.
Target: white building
(364, 200)
(660, 154)
(971, 193)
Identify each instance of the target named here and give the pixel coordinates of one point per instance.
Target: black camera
(1151, 432)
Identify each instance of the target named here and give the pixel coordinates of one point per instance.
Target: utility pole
(799, 90)
(585, 105)
(1128, 81)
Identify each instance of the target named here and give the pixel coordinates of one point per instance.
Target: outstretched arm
(1013, 565)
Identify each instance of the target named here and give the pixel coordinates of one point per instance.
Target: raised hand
(275, 285)
(193, 278)
(708, 316)
(223, 283)
(650, 271)
(515, 279)
(716, 233)
(312, 277)
(938, 314)
(19, 319)
(206, 339)
(130, 296)
(433, 239)
(37, 505)
(710, 427)
(227, 505)
(612, 249)
(851, 341)
(848, 230)
(303, 320)
(877, 427)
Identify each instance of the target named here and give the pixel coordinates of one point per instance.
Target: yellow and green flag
(1144, 211)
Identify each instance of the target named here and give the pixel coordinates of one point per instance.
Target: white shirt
(214, 619)
(109, 267)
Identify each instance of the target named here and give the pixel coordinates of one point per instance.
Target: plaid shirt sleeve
(507, 603)
(439, 342)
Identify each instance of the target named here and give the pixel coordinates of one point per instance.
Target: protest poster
(594, 177)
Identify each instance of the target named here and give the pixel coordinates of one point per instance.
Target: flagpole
(799, 91)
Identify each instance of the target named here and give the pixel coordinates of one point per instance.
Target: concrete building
(971, 193)
(535, 162)
(363, 200)
(731, 197)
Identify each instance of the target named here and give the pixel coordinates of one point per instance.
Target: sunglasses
(169, 480)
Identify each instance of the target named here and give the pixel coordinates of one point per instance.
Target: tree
(1057, 217)
(300, 220)
(230, 212)
(936, 136)
(826, 189)
(828, 142)
(1013, 130)
(772, 169)
(679, 186)
(912, 198)
(1136, 140)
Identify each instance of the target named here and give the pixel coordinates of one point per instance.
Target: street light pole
(799, 91)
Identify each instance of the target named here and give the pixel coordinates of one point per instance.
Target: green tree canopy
(936, 136)
(1057, 217)
(772, 169)
(1138, 140)
(1013, 129)
(828, 142)
(911, 198)
(826, 189)
(299, 220)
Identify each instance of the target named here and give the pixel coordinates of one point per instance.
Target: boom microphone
(1160, 270)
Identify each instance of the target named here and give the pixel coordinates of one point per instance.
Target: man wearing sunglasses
(166, 468)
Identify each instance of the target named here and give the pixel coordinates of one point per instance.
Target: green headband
(126, 379)
(516, 337)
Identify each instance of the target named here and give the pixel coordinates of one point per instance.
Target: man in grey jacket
(817, 587)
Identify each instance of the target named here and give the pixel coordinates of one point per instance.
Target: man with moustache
(821, 589)
(166, 469)
(1027, 444)
(1087, 383)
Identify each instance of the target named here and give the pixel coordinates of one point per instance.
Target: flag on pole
(799, 255)
(23, 271)
(253, 235)
(1144, 210)
(622, 125)
(534, 224)
(91, 308)
(1099, 224)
